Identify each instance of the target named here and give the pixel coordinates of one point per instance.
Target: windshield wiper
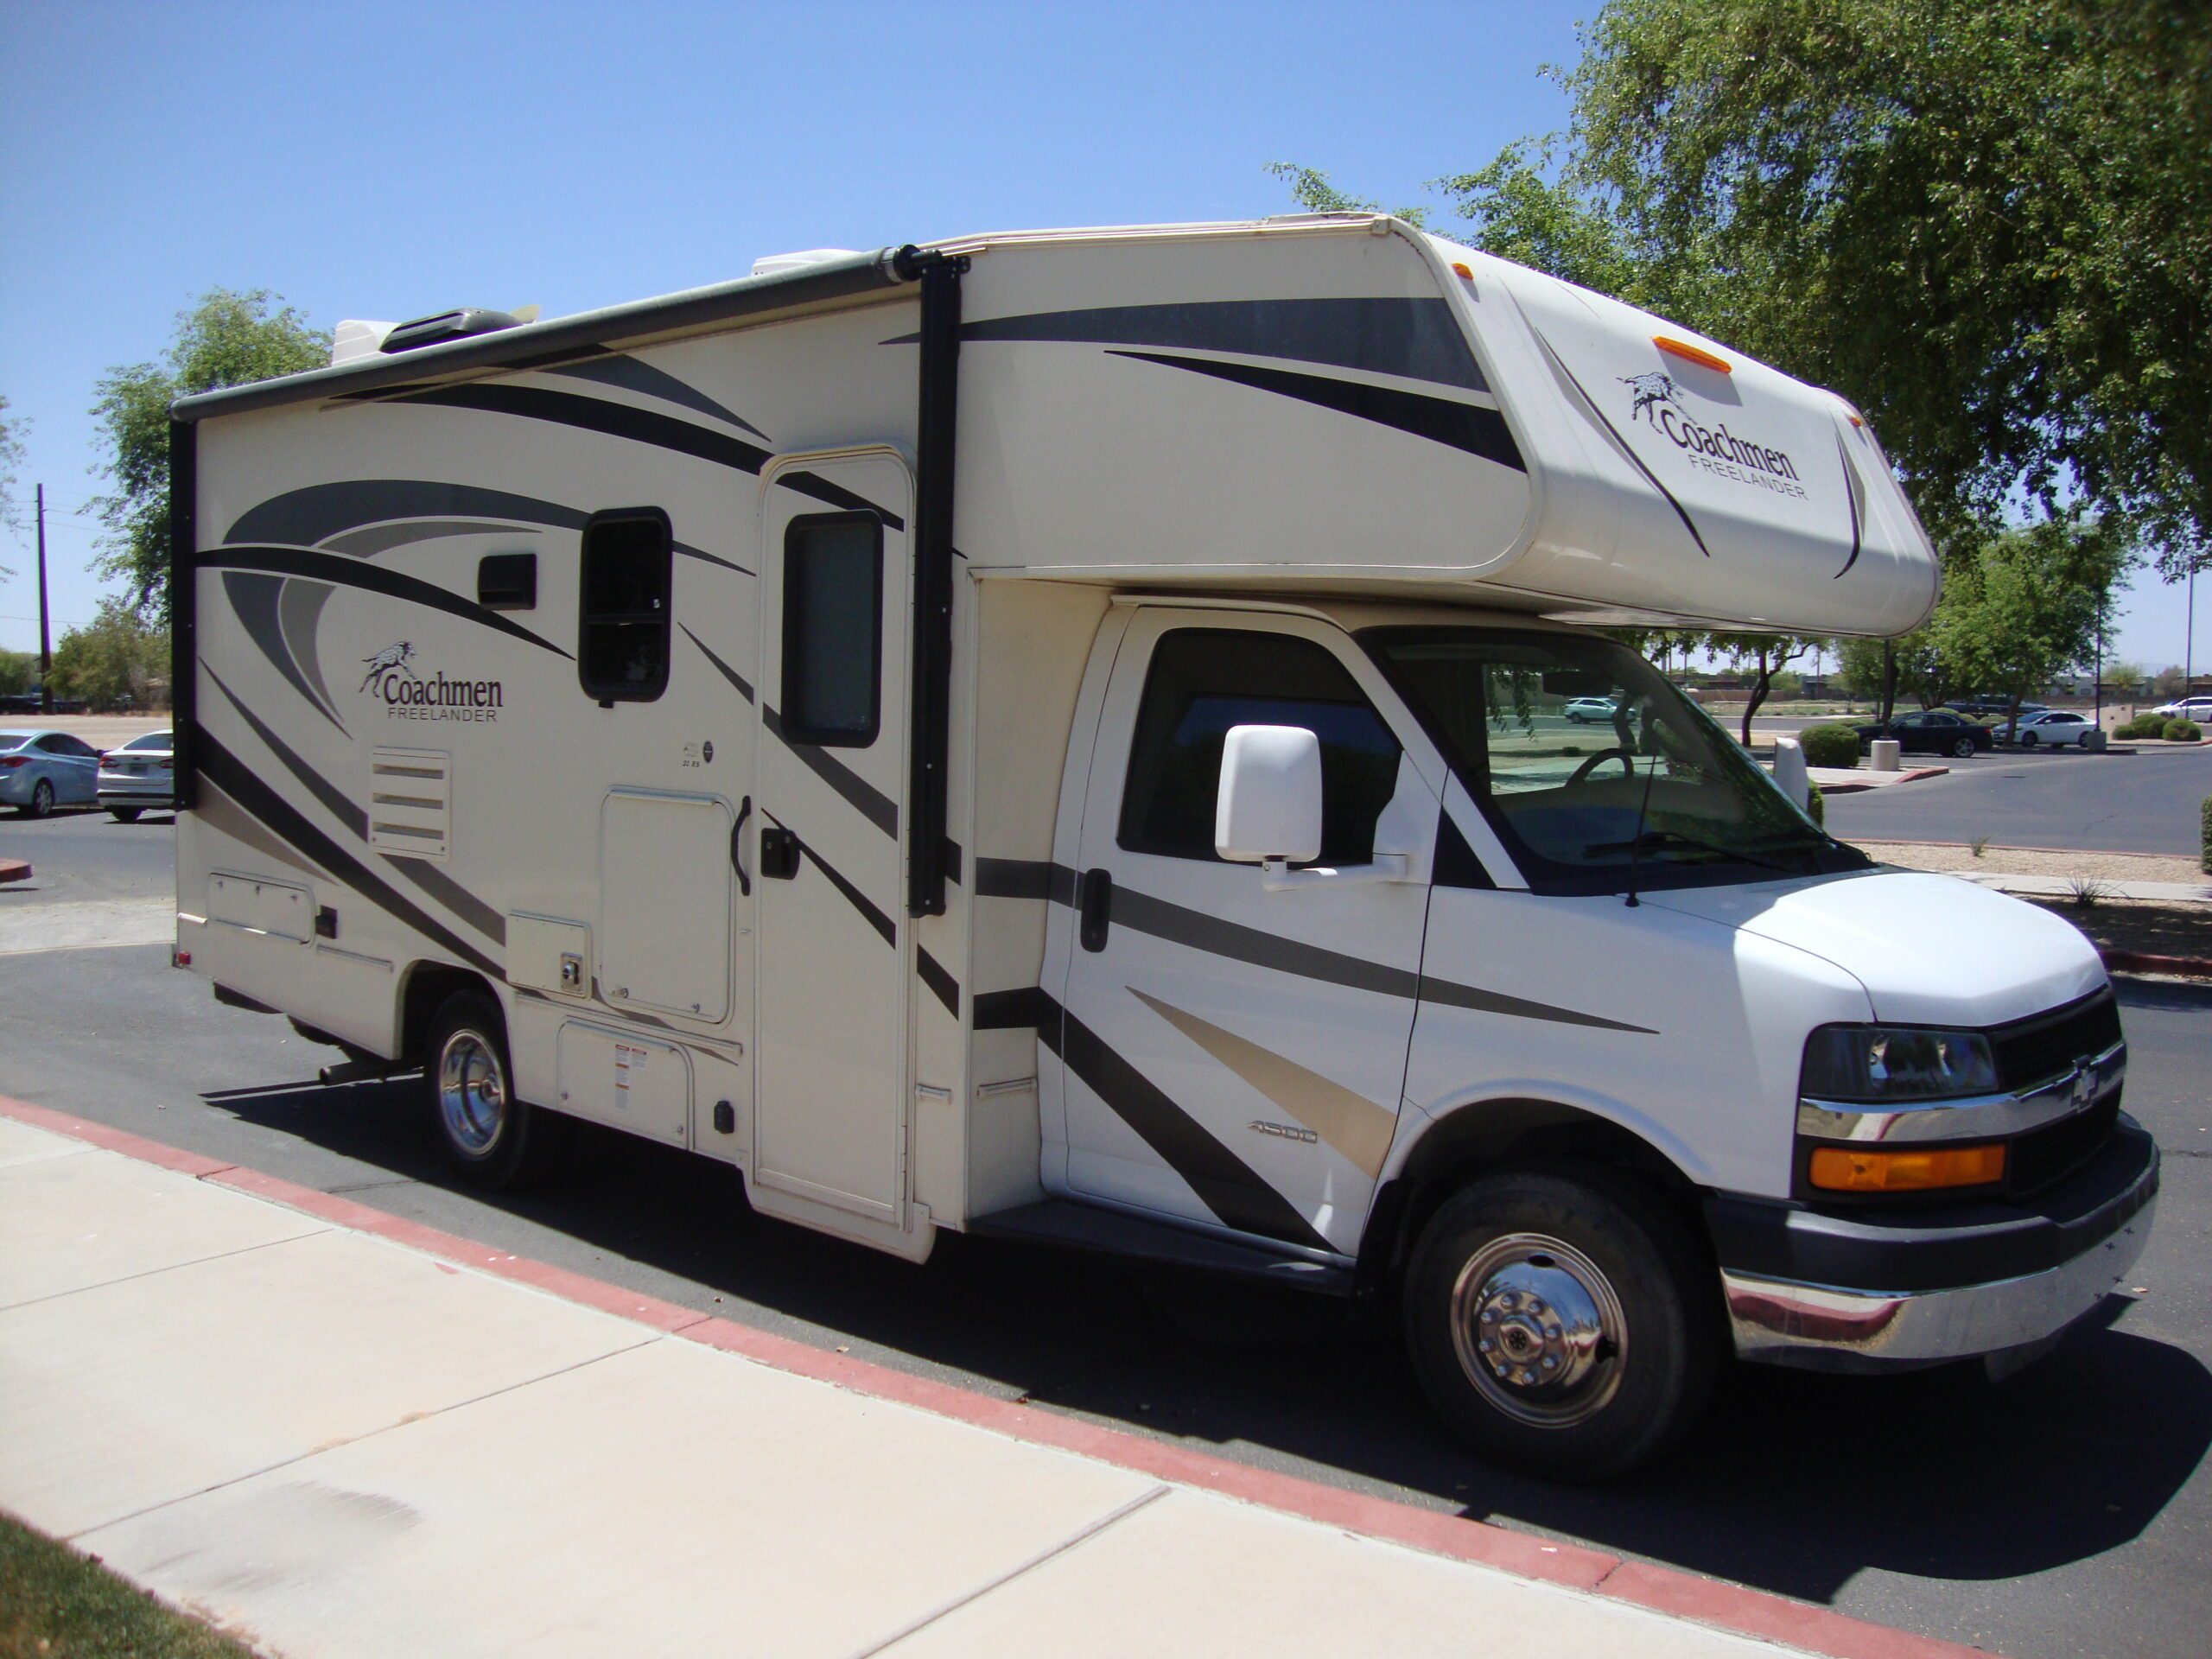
(1651, 840)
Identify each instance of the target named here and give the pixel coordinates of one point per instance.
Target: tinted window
(622, 623)
(833, 629)
(62, 743)
(1203, 682)
(151, 741)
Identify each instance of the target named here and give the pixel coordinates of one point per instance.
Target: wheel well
(429, 985)
(1490, 1135)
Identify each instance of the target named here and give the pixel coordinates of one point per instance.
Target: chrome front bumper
(1831, 1327)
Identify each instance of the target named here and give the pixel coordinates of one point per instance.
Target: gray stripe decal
(728, 673)
(451, 893)
(255, 598)
(631, 375)
(861, 795)
(299, 608)
(1414, 338)
(343, 572)
(1851, 490)
(362, 516)
(1015, 878)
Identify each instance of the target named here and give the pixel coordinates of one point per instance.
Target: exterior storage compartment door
(664, 887)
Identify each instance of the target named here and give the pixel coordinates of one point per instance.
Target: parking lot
(2030, 1517)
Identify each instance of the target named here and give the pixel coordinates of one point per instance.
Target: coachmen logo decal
(1655, 397)
(406, 694)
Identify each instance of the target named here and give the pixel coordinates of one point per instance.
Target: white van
(1087, 736)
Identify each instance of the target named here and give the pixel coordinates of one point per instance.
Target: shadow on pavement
(1792, 1482)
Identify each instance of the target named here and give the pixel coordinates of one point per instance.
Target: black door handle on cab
(778, 852)
(1095, 908)
(737, 846)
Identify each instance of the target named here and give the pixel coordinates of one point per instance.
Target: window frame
(795, 730)
(650, 691)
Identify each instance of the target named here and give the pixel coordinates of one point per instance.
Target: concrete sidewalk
(332, 1442)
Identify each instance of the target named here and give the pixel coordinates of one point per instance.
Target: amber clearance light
(1847, 1169)
(1688, 353)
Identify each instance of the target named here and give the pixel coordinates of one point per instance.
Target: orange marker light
(1854, 420)
(1696, 354)
(1847, 1169)
(1458, 270)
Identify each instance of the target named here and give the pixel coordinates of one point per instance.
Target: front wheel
(1565, 1326)
(2028, 739)
(125, 814)
(494, 1139)
(1963, 749)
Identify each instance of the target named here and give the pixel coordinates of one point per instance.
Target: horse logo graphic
(1651, 388)
(389, 658)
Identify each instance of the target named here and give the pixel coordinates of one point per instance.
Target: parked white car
(1583, 710)
(2196, 708)
(138, 777)
(2055, 726)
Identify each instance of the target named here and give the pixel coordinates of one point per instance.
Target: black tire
(42, 802)
(495, 1140)
(125, 814)
(1963, 749)
(1524, 1259)
(2028, 739)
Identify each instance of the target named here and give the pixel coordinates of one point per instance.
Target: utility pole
(45, 652)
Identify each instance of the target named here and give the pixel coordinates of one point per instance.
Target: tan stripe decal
(219, 812)
(1354, 1125)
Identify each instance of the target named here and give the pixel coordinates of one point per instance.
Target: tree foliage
(1312, 190)
(116, 658)
(18, 671)
(12, 457)
(226, 339)
(1764, 655)
(2024, 609)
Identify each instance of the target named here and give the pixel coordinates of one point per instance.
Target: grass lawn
(56, 1604)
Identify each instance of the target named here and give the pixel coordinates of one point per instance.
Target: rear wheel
(41, 801)
(494, 1139)
(1963, 749)
(1564, 1324)
(125, 814)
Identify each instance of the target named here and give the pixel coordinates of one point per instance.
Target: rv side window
(622, 621)
(1203, 681)
(833, 629)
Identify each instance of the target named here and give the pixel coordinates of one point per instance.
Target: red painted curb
(1659, 1589)
(2141, 962)
(15, 869)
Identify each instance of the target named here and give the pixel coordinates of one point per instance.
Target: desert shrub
(1817, 803)
(1829, 746)
(2182, 731)
(2206, 859)
(2143, 726)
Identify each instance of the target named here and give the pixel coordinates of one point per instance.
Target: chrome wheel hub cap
(1538, 1329)
(472, 1093)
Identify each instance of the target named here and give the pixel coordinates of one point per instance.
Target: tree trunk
(1759, 695)
(1888, 680)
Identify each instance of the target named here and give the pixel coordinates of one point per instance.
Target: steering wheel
(1627, 760)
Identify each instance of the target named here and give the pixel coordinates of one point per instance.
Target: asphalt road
(2149, 802)
(2066, 1512)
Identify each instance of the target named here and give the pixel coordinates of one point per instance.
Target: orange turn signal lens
(1458, 269)
(1690, 354)
(1847, 1169)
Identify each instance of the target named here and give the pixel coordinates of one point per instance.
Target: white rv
(1064, 735)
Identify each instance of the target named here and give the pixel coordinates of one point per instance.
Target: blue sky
(391, 160)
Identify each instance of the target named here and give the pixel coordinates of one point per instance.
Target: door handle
(779, 852)
(737, 847)
(1095, 908)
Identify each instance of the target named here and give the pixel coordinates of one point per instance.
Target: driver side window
(1202, 681)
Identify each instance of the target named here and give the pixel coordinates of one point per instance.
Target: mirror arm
(1277, 876)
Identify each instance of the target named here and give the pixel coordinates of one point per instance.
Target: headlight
(1885, 1062)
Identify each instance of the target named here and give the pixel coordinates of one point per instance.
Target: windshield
(13, 741)
(151, 741)
(1587, 761)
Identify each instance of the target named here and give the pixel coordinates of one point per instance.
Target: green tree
(1921, 673)
(115, 658)
(2022, 609)
(17, 670)
(226, 339)
(1988, 222)
(2124, 676)
(1312, 190)
(1762, 656)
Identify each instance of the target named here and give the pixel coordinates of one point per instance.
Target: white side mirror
(1790, 771)
(1269, 805)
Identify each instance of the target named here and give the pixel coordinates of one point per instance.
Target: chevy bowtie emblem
(2085, 1084)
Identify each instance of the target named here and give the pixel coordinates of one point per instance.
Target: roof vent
(775, 265)
(445, 326)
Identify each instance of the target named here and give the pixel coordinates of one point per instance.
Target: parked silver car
(2057, 726)
(140, 776)
(39, 771)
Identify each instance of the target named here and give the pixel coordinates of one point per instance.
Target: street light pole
(45, 652)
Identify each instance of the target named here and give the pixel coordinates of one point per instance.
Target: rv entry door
(827, 848)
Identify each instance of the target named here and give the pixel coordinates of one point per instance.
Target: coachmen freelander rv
(1062, 736)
